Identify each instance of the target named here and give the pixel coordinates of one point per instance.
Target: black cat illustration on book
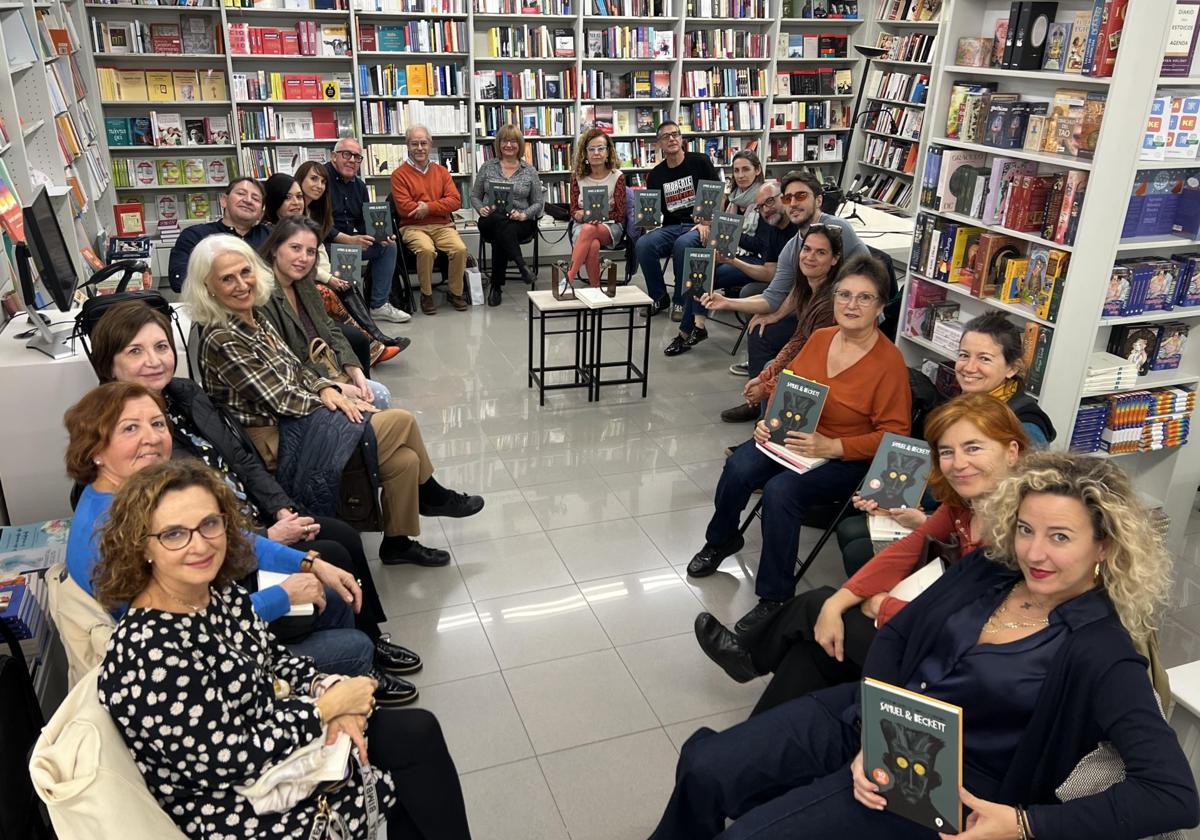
(910, 758)
(794, 416)
(900, 474)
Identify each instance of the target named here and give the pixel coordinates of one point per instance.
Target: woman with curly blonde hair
(595, 165)
(207, 700)
(1034, 638)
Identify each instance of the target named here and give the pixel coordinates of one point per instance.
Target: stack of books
(22, 610)
(1146, 421)
(1089, 426)
(1107, 372)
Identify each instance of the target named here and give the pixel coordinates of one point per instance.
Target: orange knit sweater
(436, 188)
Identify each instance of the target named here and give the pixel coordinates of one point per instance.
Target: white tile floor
(558, 644)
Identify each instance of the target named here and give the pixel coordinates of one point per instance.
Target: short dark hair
(997, 327)
(803, 176)
(119, 326)
(229, 189)
(864, 265)
(663, 125)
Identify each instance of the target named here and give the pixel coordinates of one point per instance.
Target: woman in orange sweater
(821, 637)
(868, 395)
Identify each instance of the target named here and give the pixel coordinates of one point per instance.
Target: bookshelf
(1080, 329)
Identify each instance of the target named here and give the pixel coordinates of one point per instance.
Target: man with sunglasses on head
(241, 216)
(675, 177)
(772, 325)
(755, 262)
(347, 195)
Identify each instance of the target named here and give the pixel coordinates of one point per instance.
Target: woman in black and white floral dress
(206, 700)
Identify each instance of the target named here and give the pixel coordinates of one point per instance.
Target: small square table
(543, 308)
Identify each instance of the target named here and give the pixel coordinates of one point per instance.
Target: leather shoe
(456, 506)
(416, 554)
(697, 335)
(679, 344)
(753, 622)
(740, 414)
(392, 691)
(710, 557)
(457, 301)
(494, 295)
(722, 647)
(427, 305)
(393, 658)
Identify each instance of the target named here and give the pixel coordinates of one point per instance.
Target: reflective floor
(558, 644)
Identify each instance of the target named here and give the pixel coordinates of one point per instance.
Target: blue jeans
(781, 775)
(786, 494)
(651, 247)
(764, 344)
(334, 645)
(383, 268)
(726, 277)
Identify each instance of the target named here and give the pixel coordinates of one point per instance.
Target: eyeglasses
(670, 135)
(354, 156)
(767, 202)
(831, 232)
(793, 198)
(509, 143)
(844, 297)
(177, 537)
(597, 149)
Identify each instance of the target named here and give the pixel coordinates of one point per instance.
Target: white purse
(295, 778)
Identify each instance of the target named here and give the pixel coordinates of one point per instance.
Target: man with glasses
(347, 195)
(755, 263)
(241, 216)
(426, 196)
(772, 325)
(675, 177)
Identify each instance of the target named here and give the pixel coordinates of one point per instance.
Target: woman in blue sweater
(1034, 640)
(119, 428)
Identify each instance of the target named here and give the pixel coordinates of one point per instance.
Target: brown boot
(427, 304)
(457, 301)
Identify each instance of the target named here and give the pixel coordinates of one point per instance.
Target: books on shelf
(719, 81)
(268, 124)
(914, 10)
(121, 85)
(1136, 421)
(270, 86)
(628, 41)
(524, 84)
(897, 86)
(265, 162)
(147, 173)
(534, 120)
(719, 43)
(525, 42)
(1038, 36)
(418, 36)
(524, 7)
(32, 548)
(912, 46)
(727, 8)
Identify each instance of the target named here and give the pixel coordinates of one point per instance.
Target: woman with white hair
(246, 366)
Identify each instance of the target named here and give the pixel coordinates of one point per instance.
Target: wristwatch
(306, 563)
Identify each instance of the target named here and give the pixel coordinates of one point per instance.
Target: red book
(1018, 198)
(311, 85)
(366, 37)
(1109, 39)
(293, 87)
(130, 218)
(1072, 195)
(324, 123)
(310, 27)
(271, 42)
(290, 41)
(256, 46)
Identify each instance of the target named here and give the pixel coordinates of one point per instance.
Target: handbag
(321, 356)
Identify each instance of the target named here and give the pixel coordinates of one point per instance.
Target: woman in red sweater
(868, 395)
(596, 165)
(820, 639)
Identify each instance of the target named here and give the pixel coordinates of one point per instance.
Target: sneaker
(740, 414)
(428, 307)
(387, 312)
(698, 334)
(457, 301)
(660, 305)
(677, 312)
(679, 344)
(740, 369)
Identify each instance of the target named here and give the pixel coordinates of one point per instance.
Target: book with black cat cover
(347, 262)
(912, 749)
(699, 267)
(594, 201)
(649, 209)
(898, 472)
(726, 233)
(708, 200)
(795, 407)
(501, 197)
(378, 219)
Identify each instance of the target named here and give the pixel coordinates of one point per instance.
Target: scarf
(1006, 390)
(744, 199)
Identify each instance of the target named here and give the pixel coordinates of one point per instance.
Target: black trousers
(429, 802)
(504, 235)
(854, 539)
(342, 546)
(360, 343)
(764, 345)
(800, 665)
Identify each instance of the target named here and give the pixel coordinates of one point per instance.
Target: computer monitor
(46, 248)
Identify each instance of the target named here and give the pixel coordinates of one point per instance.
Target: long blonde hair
(1136, 571)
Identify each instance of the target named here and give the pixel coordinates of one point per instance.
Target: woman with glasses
(207, 701)
(596, 165)
(505, 230)
(868, 395)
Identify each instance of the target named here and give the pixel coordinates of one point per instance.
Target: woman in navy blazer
(1035, 642)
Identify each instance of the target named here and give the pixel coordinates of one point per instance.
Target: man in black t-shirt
(675, 177)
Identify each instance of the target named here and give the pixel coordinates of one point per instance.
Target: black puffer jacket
(185, 397)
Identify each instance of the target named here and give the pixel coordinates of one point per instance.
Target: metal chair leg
(816, 549)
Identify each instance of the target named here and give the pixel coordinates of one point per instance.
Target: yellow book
(107, 78)
(187, 85)
(212, 86)
(418, 85)
(131, 85)
(160, 86)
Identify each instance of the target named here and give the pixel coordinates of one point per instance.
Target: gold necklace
(192, 607)
(993, 625)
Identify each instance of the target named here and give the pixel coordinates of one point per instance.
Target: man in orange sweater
(425, 196)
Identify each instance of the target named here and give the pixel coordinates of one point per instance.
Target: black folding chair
(534, 237)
